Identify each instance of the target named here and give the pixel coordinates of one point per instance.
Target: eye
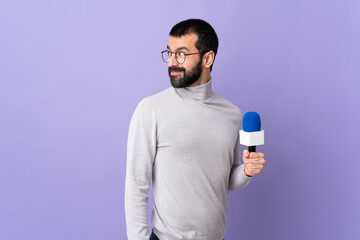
(182, 54)
(169, 53)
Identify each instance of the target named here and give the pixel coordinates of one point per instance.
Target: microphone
(251, 135)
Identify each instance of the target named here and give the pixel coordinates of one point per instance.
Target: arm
(141, 150)
(238, 178)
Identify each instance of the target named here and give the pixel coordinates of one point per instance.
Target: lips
(174, 73)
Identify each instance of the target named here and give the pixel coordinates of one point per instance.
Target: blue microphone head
(251, 122)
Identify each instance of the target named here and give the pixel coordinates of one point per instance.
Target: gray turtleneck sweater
(187, 141)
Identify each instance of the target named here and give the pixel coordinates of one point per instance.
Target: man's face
(187, 73)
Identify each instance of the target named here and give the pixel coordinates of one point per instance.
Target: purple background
(72, 73)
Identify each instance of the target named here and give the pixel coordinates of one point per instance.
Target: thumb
(246, 153)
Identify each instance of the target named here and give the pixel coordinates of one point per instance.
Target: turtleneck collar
(201, 92)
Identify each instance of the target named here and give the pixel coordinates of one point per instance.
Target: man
(186, 140)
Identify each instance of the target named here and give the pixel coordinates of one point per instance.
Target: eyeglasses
(180, 56)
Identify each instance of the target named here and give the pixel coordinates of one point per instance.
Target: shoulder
(158, 97)
(148, 104)
(227, 104)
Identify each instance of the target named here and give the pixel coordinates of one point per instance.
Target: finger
(256, 171)
(257, 155)
(256, 161)
(254, 166)
(246, 153)
(249, 172)
(252, 172)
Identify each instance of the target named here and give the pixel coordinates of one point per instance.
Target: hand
(253, 162)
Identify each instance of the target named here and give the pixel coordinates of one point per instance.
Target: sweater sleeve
(141, 150)
(238, 178)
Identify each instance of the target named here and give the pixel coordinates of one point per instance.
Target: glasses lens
(165, 56)
(180, 57)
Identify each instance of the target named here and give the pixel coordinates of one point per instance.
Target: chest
(196, 127)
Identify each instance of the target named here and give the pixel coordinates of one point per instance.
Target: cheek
(189, 66)
(192, 63)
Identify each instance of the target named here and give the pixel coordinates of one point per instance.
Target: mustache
(176, 69)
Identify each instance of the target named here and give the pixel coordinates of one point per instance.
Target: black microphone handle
(252, 148)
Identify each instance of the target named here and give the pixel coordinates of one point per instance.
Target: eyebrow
(179, 48)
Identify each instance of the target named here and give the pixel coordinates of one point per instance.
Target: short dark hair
(207, 38)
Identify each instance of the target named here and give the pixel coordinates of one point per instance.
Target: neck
(199, 92)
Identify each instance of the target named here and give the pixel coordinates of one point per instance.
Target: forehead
(188, 41)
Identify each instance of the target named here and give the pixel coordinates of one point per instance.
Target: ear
(208, 59)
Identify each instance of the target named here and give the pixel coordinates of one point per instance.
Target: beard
(188, 78)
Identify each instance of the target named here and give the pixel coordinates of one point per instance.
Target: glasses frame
(177, 55)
